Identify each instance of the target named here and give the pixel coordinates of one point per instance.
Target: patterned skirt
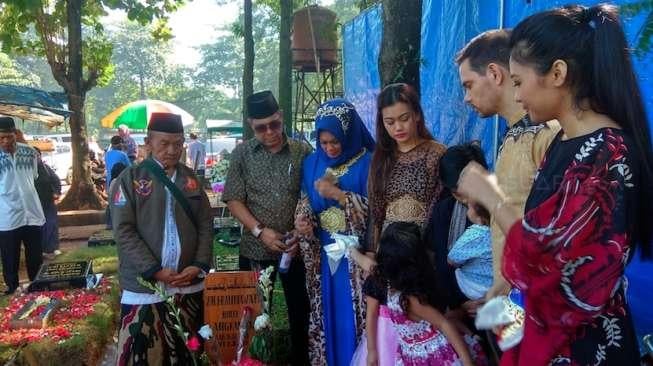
(147, 334)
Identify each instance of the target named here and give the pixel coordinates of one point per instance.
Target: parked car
(60, 159)
(60, 139)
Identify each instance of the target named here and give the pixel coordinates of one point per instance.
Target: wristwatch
(257, 230)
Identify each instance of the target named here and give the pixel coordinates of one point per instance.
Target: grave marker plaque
(34, 314)
(226, 294)
(101, 238)
(61, 275)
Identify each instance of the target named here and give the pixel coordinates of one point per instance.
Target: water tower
(315, 62)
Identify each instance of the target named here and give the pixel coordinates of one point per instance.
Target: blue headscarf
(339, 117)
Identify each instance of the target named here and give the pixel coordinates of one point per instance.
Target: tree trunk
(82, 194)
(248, 68)
(400, 57)
(285, 64)
(141, 80)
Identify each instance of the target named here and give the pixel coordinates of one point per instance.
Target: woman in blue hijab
(332, 217)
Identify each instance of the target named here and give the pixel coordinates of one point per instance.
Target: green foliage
(348, 9)
(124, 53)
(219, 171)
(138, 55)
(261, 346)
(40, 68)
(14, 74)
(275, 5)
(222, 61)
(142, 70)
(40, 27)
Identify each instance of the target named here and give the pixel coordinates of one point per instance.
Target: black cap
(261, 105)
(116, 140)
(7, 124)
(165, 122)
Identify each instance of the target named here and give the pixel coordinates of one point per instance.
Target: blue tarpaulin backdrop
(446, 26)
(361, 47)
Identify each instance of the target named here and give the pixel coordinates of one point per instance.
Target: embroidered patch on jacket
(143, 187)
(119, 199)
(191, 185)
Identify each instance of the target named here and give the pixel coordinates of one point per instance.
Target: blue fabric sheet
(361, 48)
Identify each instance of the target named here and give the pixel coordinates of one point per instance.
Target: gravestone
(226, 295)
(36, 313)
(61, 275)
(101, 238)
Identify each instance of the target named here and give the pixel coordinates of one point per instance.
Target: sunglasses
(272, 126)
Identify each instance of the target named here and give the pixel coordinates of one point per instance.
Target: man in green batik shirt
(262, 189)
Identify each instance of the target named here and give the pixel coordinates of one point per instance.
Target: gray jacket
(138, 215)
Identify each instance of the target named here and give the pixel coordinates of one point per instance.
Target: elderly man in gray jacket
(163, 230)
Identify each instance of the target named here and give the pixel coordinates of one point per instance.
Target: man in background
(130, 144)
(196, 155)
(22, 215)
(113, 156)
(48, 188)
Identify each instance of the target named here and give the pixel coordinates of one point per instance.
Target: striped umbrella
(136, 115)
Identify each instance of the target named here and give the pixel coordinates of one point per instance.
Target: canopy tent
(33, 104)
(224, 125)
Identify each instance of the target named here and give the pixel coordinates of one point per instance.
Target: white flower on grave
(264, 278)
(206, 332)
(262, 322)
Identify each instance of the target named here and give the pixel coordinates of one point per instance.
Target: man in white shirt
(21, 215)
(196, 155)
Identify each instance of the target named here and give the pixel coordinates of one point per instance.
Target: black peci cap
(165, 122)
(7, 124)
(261, 105)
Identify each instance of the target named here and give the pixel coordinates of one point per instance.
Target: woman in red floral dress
(591, 199)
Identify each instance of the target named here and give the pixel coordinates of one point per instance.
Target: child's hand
(372, 357)
(471, 306)
(499, 287)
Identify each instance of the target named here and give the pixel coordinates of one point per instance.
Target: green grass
(4, 301)
(105, 258)
(84, 253)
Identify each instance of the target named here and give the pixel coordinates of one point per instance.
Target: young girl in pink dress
(415, 306)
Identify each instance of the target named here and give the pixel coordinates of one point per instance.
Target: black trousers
(294, 289)
(10, 241)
